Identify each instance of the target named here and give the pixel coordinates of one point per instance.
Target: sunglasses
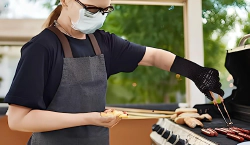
(94, 9)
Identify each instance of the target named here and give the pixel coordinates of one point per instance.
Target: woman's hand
(206, 80)
(98, 120)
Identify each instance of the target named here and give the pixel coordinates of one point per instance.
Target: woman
(60, 83)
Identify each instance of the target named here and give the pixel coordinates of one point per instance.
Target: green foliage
(217, 23)
(246, 28)
(149, 26)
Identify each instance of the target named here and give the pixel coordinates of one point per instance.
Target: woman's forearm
(163, 59)
(42, 120)
(159, 58)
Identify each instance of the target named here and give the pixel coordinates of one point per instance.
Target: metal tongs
(230, 124)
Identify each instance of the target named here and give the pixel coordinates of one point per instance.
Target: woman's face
(72, 7)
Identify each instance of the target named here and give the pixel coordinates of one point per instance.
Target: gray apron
(82, 89)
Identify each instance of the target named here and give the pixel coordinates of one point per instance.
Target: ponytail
(53, 16)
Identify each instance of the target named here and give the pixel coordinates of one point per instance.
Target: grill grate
(195, 137)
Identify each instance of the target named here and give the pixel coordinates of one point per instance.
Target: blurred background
(224, 23)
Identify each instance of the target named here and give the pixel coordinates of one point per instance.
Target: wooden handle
(142, 110)
(148, 115)
(221, 99)
(142, 117)
(214, 100)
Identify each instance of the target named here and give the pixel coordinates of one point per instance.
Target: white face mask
(89, 22)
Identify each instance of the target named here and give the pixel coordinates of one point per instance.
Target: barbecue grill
(238, 105)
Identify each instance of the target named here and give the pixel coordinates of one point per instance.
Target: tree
(246, 27)
(159, 27)
(149, 26)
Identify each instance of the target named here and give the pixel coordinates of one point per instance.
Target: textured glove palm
(206, 79)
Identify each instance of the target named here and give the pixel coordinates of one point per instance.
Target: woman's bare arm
(28, 120)
(159, 58)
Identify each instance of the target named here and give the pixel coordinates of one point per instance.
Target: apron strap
(95, 44)
(64, 42)
(66, 46)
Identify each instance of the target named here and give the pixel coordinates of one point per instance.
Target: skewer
(215, 103)
(144, 117)
(148, 114)
(141, 110)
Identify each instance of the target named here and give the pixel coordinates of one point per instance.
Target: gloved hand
(206, 79)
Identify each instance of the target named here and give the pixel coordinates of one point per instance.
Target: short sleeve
(125, 55)
(30, 78)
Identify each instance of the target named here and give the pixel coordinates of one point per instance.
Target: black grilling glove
(206, 79)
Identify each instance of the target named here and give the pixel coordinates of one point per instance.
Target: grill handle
(244, 39)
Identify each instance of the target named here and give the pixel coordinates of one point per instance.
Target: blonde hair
(53, 16)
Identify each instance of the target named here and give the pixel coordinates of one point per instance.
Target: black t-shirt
(39, 70)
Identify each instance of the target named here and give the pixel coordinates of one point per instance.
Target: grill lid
(238, 65)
